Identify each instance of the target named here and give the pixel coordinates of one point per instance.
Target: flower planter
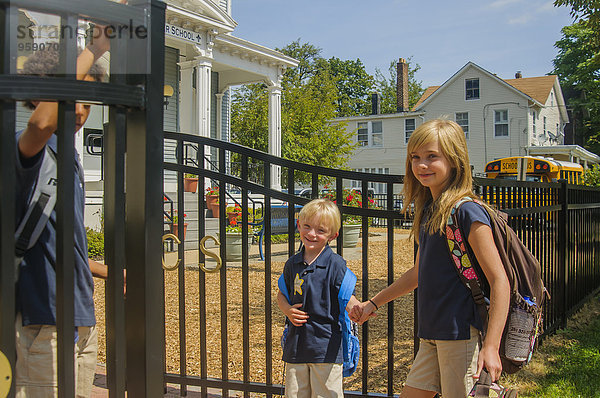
(190, 184)
(213, 205)
(351, 232)
(232, 215)
(233, 245)
(175, 230)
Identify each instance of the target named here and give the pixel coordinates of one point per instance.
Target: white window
(544, 132)
(409, 127)
(551, 98)
(501, 123)
(363, 134)
(370, 133)
(377, 133)
(471, 89)
(533, 114)
(462, 119)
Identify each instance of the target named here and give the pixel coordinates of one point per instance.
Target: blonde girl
(451, 354)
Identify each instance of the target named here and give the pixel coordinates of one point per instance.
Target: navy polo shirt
(316, 286)
(36, 288)
(446, 308)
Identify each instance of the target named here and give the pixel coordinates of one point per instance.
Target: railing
(560, 223)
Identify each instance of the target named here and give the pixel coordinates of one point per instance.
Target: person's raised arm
(44, 119)
(482, 242)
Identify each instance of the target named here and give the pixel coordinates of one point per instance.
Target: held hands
(362, 312)
(296, 316)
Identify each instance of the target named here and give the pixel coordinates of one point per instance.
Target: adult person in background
(36, 337)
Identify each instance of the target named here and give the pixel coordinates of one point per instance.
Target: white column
(275, 133)
(186, 98)
(219, 115)
(203, 71)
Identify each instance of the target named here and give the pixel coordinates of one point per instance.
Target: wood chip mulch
(377, 328)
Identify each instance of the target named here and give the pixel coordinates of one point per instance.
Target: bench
(279, 224)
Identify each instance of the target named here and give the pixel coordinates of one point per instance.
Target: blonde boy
(313, 276)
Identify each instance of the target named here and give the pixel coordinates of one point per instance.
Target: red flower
(349, 198)
(233, 222)
(359, 203)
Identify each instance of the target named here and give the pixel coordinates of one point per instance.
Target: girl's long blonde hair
(453, 146)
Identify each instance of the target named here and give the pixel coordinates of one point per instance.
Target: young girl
(451, 354)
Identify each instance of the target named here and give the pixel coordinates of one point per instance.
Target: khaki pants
(36, 369)
(446, 366)
(310, 380)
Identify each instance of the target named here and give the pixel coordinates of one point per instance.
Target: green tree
(587, 12)
(578, 71)
(309, 101)
(386, 86)
(353, 84)
(591, 176)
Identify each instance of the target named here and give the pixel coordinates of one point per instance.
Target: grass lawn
(567, 364)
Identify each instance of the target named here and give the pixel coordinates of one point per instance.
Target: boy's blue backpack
(350, 344)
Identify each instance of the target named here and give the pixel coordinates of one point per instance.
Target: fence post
(563, 228)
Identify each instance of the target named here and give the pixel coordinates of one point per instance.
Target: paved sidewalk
(100, 389)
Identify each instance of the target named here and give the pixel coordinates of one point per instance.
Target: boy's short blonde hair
(324, 209)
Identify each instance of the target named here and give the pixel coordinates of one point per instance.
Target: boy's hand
(296, 316)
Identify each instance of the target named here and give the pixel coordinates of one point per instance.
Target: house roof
(536, 88)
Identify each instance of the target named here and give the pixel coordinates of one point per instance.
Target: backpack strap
(40, 207)
(282, 287)
(346, 291)
(463, 262)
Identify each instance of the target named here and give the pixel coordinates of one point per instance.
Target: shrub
(95, 244)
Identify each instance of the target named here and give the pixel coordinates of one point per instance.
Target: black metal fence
(135, 334)
(558, 222)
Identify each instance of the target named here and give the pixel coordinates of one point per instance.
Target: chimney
(402, 86)
(518, 75)
(375, 107)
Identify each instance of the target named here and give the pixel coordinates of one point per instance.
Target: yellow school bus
(529, 168)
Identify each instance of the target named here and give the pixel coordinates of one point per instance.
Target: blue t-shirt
(316, 286)
(36, 288)
(445, 306)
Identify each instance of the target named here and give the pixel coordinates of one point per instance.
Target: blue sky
(502, 36)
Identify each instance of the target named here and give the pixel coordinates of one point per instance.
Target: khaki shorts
(309, 380)
(446, 366)
(36, 368)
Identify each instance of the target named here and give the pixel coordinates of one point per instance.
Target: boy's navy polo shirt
(446, 307)
(36, 288)
(316, 286)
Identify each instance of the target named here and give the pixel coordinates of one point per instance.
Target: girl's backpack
(524, 322)
(350, 344)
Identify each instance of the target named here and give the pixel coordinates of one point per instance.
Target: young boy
(313, 276)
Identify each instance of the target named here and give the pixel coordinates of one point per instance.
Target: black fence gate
(133, 186)
(241, 311)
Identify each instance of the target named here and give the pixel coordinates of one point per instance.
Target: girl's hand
(489, 358)
(361, 313)
(296, 316)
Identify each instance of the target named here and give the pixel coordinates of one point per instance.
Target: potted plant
(351, 224)
(190, 182)
(175, 226)
(233, 240)
(212, 200)
(234, 212)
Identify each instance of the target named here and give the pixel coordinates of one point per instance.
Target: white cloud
(502, 3)
(520, 20)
